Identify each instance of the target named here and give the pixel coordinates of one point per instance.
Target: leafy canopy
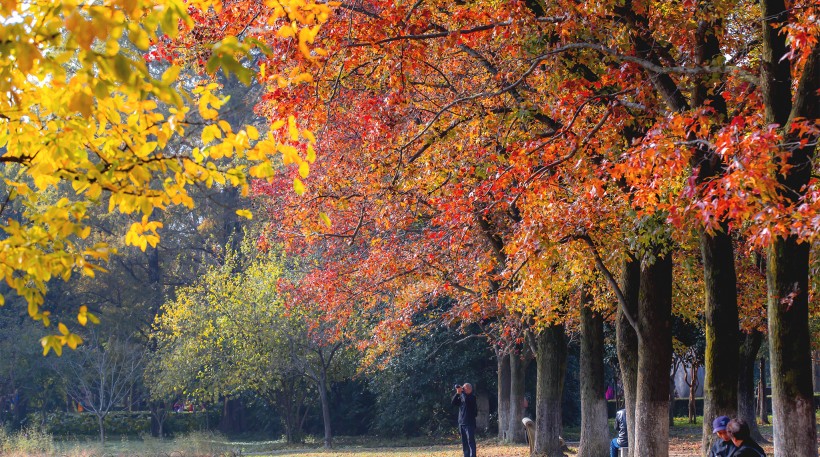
(80, 107)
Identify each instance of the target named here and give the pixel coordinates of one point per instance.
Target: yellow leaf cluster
(79, 112)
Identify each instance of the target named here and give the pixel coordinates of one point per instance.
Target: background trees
(482, 164)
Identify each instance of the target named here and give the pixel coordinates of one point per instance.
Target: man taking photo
(467, 412)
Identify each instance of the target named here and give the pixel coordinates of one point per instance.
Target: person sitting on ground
(740, 434)
(621, 439)
(723, 447)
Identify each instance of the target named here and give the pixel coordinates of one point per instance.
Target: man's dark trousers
(467, 439)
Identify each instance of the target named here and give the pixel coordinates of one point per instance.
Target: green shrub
(122, 423)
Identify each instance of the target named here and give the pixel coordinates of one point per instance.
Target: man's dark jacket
(722, 448)
(467, 408)
(620, 428)
(748, 449)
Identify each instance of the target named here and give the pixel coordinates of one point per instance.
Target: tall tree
(788, 103)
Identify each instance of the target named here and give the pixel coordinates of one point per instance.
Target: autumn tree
(80, 108)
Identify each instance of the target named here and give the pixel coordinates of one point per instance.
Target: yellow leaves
(6, 6)
(307, 36)
(244, 213)
(26, 55)
(56, 342)
(52, 342)
(83, 316)
(323, 217)
(82, 102)
(143, 233)
(253, 133)
(304, 169)
(292, 129)
(208, 102)
(211, 132)
(89, 116)
(298, 186)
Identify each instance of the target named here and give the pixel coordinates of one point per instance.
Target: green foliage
(222, 335)
(414, 388)
(64, 424)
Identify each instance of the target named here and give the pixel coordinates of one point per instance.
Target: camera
(456, 386)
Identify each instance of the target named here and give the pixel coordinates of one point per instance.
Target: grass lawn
(684, 442)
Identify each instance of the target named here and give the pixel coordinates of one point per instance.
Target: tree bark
(693, 388)
(101, 422)
(503, 359)
(627, 343)
(518, 371)
(762, 409)
(551, 358)
(746, 383)
(790, 349)
(594, 425)
(721, 355)
(654, 356)
(325, 399)
(787, 269)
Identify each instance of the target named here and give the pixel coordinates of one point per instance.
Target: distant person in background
(610, 393)
(723, 447)
(620, 439)
(741, 437)
(467, 412)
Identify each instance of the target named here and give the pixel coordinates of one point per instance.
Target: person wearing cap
(723, 447)
(740, 435)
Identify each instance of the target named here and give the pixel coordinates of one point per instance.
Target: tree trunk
(101, 422)
(627, 344)
(787, 266)
(762, 409)
(693, 390)
(790, 349)
(746, 383)
(594, 425)
(503, 359)
(324, 397)
(654, 356)
(721, 318)
(672, 395)
(551, 358)
(518, 371)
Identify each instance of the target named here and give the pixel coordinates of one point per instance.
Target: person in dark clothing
(467, 412)
(621, 439)
(723, 447)
(745, 446)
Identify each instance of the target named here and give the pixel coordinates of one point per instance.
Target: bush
(122, 423)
